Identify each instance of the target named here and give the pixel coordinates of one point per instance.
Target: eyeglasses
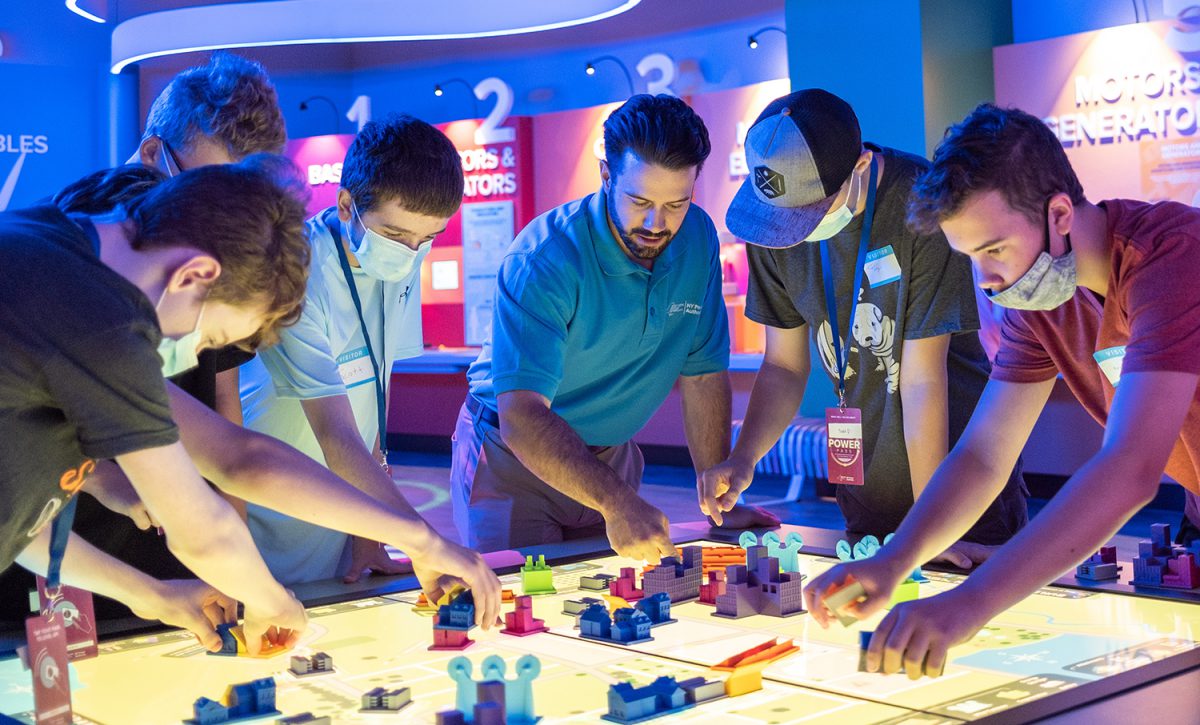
(170, 160)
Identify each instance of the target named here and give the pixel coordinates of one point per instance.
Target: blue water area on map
(1048, 656)
(16, 687)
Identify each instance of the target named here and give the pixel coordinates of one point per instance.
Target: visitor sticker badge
(881, 266)
(78, 615)
(1110, 360)
(46, 655)
(844, 426)
(355, 367)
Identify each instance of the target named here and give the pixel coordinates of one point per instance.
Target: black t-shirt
(915, 287)
(80, 377)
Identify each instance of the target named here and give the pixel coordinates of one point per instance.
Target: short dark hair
(661, 130)
(249, 216)
(403, 158)
(993, 149)
(104, 191)
(229, 100)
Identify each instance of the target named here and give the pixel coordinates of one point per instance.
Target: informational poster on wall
(43, 147)
(487, 232)
(1124, 102)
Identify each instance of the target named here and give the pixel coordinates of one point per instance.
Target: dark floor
(424, 477)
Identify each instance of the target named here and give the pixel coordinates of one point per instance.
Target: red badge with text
(78, 615)
(47, 658)
(845, 447)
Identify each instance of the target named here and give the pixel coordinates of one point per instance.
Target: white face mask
(180, 354)
(837, 220)
(384, 259)
(1050, 282)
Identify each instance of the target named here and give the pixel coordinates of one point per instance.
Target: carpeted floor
(424, 479)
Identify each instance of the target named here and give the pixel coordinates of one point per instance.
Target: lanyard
(840, 351)
(60, 532)
(380, 395)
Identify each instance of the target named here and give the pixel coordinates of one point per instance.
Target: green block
(907, 591)
(537, 578)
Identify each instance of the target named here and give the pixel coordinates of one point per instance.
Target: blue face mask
(1049, 283)
(180, 354)
(385, 259)
(836, 221)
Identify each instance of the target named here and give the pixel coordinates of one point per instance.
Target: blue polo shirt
(601, 337)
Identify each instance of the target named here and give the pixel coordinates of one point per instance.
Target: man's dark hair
(229, 100)
(660, 130)
(403, 158)
(993, 149)
(258, 235)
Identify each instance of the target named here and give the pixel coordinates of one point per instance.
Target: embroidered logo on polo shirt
(769, 182)
(686, 308)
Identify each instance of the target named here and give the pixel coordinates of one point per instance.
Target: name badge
(78, 615)
(46, 656)
(881, 266)
(355, 368)
(844, 426)
(1111, 360)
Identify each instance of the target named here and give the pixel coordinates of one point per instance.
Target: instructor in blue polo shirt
(602, 306)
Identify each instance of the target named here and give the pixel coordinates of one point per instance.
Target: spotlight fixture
(337, 116)
(439, 91)
(752, 40)
(590, 69)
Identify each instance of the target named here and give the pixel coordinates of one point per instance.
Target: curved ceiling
(649, 18)
(310, 22)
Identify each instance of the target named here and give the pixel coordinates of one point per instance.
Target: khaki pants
(500, 504)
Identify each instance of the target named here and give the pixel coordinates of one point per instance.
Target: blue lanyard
(60, 532)
(380, 395)
(842, 352)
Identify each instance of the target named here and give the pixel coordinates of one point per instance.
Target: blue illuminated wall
(53, 126)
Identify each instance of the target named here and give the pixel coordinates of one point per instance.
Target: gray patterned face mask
(1050, 282)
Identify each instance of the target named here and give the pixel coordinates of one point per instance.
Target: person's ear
(344, 202)
(198, 273)
(150, 152)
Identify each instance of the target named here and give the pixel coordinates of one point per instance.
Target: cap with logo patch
(800, 151)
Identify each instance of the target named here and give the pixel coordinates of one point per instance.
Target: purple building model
(759, 587)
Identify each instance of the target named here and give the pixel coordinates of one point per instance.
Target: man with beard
(602, 305)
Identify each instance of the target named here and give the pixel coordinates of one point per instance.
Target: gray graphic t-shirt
(915, 287)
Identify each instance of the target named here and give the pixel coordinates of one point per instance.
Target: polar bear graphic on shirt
(876, 332)
(825, 347)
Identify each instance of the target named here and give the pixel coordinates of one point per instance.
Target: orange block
(763, 654)
(718, 557)
(268, 649)
(744, 680)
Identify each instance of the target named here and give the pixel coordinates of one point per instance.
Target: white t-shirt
(324, 354)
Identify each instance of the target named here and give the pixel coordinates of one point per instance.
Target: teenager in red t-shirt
(1104, 294)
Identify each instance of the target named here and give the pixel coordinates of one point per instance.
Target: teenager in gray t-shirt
(915, 308)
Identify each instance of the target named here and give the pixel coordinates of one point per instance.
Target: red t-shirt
(1152, 309)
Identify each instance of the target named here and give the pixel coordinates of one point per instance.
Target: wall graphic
(1124, 102)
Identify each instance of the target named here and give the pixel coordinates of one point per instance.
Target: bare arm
(1143, 426)
(267, 472)
(926, 404)
(207, 536)
(778, 391)
(192, 605)
(229, 405)
(974, 473)
(707, 402)
(332, 421)
(546, 445)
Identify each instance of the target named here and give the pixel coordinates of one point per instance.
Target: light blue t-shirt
(324, 354)
(603, 338)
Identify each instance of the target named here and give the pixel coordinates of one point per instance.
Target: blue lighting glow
(73, 6)
(305, 22)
